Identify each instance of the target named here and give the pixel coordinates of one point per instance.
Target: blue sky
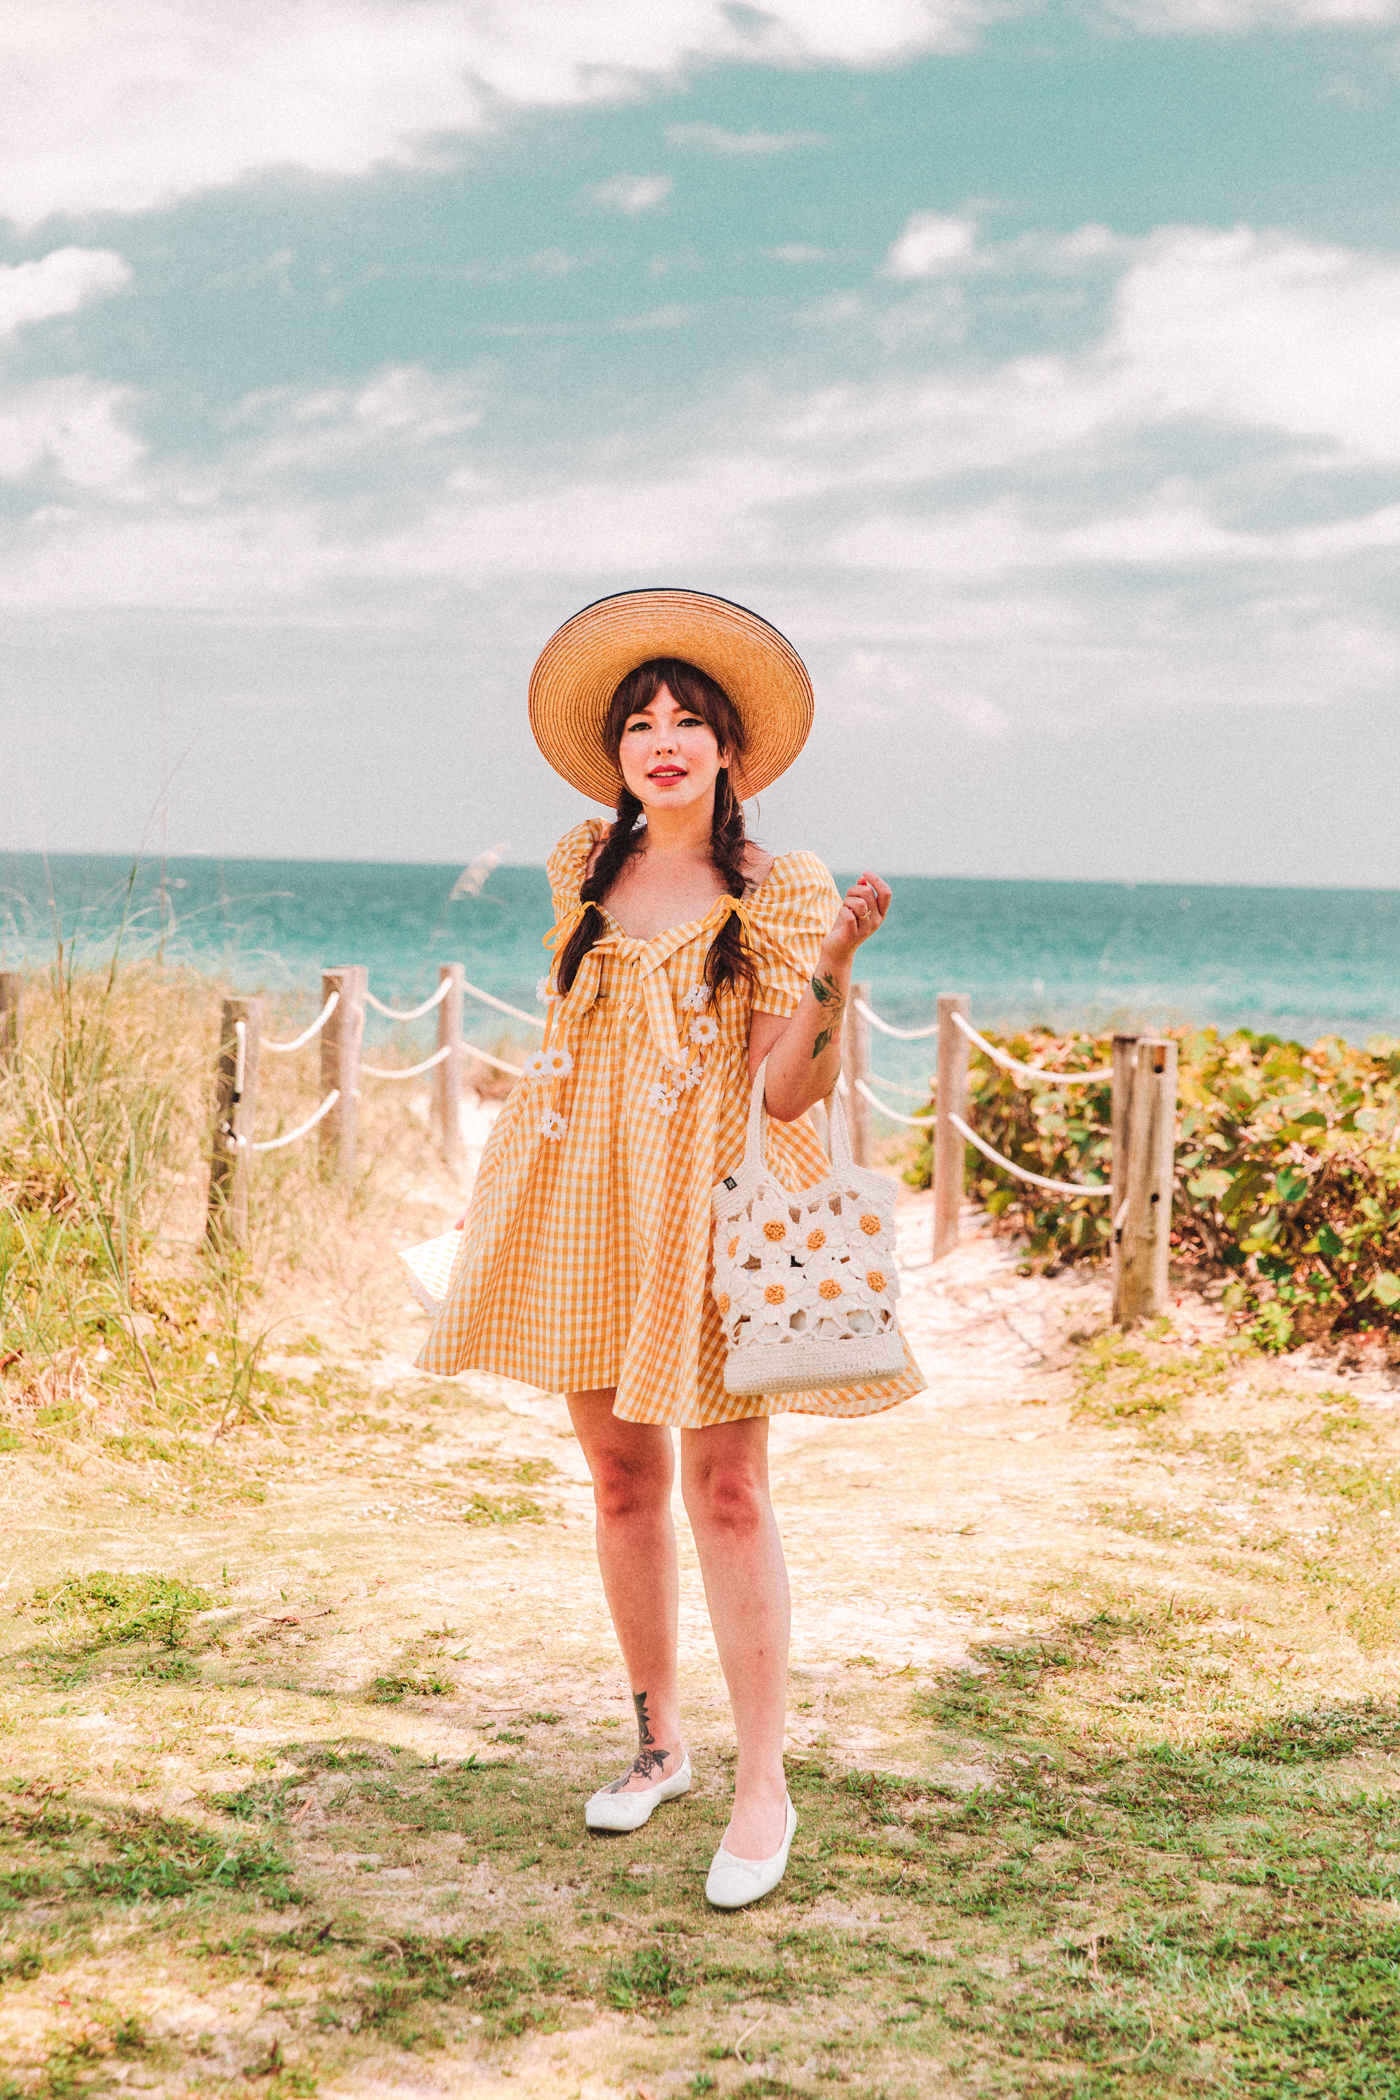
(1035, 370)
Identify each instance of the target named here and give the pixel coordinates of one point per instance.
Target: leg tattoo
(648, 1759)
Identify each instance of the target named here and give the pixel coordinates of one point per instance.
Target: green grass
(104, 1609)
(1166, 1922)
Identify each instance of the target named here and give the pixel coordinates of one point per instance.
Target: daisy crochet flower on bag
(552, 1124)
(548, 1064)
(704, 1028)
(827, 1274)
(770, 1219)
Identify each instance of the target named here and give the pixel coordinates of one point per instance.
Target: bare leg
(633, 1466)
(724, 1477)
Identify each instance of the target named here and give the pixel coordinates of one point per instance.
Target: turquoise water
(1294, 962)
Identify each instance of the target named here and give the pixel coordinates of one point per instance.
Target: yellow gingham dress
(586, 1255)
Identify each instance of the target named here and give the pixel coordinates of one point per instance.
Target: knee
(624, 1489)
(730, 1497)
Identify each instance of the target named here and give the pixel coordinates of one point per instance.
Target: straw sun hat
(581, 667)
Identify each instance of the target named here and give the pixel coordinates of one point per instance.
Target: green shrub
(1287, 1170)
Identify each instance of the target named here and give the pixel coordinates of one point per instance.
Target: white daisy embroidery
(695, 1002)
(692, 1075)
(552, 1124)
(544, 991)
(548, 1064)
(661, 1098)
(704, 1029)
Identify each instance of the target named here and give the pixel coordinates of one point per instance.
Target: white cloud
(713, 138)
(632, 193)
(1201, 503)
(1233, 16)
(1241, 331)
(931, 244)
(129, 108)
(1265, 331)
(73, 427)
(57, 283)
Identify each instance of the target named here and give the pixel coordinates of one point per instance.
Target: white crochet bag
(805, 1283)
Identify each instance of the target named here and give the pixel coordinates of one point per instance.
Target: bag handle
(756, 1137)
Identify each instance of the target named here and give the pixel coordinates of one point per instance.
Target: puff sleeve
(790, 916)
(567, 862)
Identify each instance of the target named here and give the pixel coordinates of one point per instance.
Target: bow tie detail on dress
(565, 1012)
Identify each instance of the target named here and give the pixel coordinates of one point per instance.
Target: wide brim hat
(581, 667)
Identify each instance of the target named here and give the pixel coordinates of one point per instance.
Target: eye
(641, 724)
(690, 722)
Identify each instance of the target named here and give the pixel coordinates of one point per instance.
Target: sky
(1035, 369)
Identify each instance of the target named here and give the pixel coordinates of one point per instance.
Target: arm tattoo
(648, 1759)
(832, 1000)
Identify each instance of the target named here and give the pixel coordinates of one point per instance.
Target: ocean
(1296, 963)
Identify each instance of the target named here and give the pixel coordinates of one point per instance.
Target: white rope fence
(894, 1114)
(1143, 1076)
(490, 999)
(407, 1071)
(299, 1042)
(273, 1144)
(1041, 1181)
(487, 1059)
(346, 992)
(1013, 1064)
(414, 1013)
(947, 1174)
(901, 1035)
(915, 1093)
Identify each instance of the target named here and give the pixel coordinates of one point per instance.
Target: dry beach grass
(305, 1671)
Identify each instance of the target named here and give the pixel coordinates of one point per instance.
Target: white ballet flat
(731, 1882)
(606, 1810)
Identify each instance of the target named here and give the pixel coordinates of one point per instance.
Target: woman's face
(669, 756)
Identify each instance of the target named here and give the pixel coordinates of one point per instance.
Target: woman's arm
(804, 1051)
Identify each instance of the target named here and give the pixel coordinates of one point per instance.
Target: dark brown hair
(727, 961)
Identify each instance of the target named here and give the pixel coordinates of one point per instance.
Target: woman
(684, 957)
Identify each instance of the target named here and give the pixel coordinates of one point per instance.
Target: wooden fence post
(447, 1077)
(11, 1016)
(236, 1100)
(1124, 1052)
(855, 1063)
(341, 1041)
(949, 1149)
(1144, 1238)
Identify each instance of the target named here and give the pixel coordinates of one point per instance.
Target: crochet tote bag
(805, 1282)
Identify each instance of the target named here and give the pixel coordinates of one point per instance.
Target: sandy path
(908, 1534)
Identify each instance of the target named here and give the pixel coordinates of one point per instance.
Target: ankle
(766, 1784)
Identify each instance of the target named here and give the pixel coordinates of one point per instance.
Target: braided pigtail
(623, 840)
(728, 961)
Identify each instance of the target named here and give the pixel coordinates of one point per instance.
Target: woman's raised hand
(864, 910)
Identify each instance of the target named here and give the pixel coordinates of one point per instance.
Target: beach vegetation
(1287, 1174)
